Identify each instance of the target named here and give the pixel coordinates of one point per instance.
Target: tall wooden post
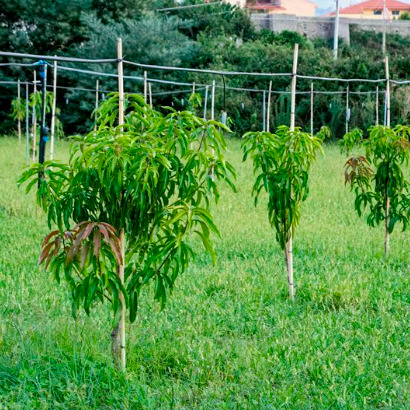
(289, 245)
(18, 119)
(213, 101)
(377, 105)
(268, 109)
(53, 114)
(336, 32)
(97, 102)
(122, 234)
(145, 86)
(384, 28)
(27, 123)
(387, 216)
(206, 100)
(312, 104)
(347, 109)
(34, 121)
(212, 118)
(150, 94)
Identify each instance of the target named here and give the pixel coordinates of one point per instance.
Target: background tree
(134, 194)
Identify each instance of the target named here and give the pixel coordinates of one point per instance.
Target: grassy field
(228, 338)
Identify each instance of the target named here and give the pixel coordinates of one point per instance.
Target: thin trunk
(387, 233)
(18, 121)
(292, 128)
(34, 138)
(53, 111)
(118, 336)
(290, 268)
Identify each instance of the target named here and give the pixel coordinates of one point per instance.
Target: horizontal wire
(345, 80)
(198, 70)
(56, 58)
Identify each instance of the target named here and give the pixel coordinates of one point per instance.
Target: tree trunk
(289, 268)
(115, 347)
(118, 333)
(19, 129)
(387, 233)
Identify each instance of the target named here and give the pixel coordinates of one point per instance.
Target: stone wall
(323, 27)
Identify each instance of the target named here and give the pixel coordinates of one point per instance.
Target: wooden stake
(269, 105)
(122, 234)
(213, 101)
(53, 113)
(264, 111)
(193, 88)
(18, 120)
(97, 101)
(34, 121)
(387, 216)
(377, 105)
(387, 92)
(27, 124)
(150, 94)
(206, 100)
(289, 247)
(347, 109)
(312, 102)
(145, 86)
(212, 118)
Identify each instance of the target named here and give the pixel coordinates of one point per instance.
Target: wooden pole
(53, 114)
(193, 88)
(206, 100)
(387, 92)
(212, 118)
(264, 111)
(289, 245)
(312, 103)
(384, 28)
(27, 124)
(122, 234)
(97, 101)
(347, 109)
(145, 86)
(34, 121)
(269, 107)
(377, 105)
(18, 120)
(150, 94)
(387, 217)
(336, 32)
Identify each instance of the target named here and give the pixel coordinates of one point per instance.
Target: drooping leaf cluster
(282, 162)
(150, 178)
(18, 109)
(377, 177)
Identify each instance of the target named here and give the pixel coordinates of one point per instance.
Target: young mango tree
(282, 162)
(126, 202)
(18, 112)
(377, 176)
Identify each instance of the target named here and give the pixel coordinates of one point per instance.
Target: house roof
(264, 5)
(373, 5)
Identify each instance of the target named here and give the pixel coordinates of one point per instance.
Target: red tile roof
(264, 5)
(374, 5)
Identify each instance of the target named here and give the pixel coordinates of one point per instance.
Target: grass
(228, 338)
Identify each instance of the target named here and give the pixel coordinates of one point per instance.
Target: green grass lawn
(228, 338)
